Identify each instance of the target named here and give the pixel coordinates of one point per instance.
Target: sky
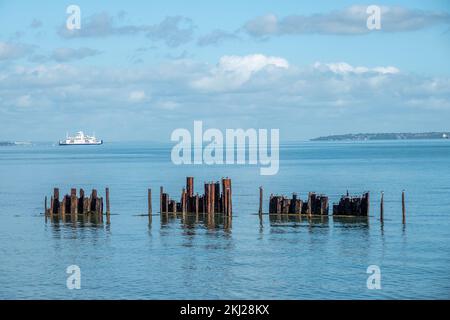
(137, 70)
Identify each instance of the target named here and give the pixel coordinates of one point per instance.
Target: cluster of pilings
(73, 205)
(315, 205)
(352, 205)
(216, 199)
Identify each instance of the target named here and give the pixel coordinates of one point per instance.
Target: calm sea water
(299, 259)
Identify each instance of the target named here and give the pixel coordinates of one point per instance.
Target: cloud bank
(349, 21)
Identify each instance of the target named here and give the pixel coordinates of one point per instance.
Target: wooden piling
(107, 201)
(86, 205)
(382, 207)
(196, 204)
(183, 201)
(173, 205)
(403, 208)
(225, 197)
(62, 209)
(81, 201)
(149, 201)
(55, 202)
(309, 204)
(212, 201)
(45, 206)
(228, 192)
(161, 190)
(207, 198)
(190, 186)
(213, 194)
(51, 206)
(260, 201)
(73, 205)
(230, 198)
(73, 201)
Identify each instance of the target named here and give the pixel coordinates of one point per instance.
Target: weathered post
(173, 204)
(225, 197)
(382, 207)
(403, 208)
(107, 201)
(213, 194)
(217, 197)
(183, 201)
(309, 204)
(190, 186)
(149, 202)
(85, 205)
(73, 201)
(55, 201)
(161, 190)
(196, 206)
(229, 202)
(45, 206)
(81, 201)
(208, 197)
(51, 206)
(230, 205)
(260, 201)
(62, 209)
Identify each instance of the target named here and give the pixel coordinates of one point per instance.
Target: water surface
(294, 258)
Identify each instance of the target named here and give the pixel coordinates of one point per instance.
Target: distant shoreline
(9, 143)
(384, 136)
(6, 144)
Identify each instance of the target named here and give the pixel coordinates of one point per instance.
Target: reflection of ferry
(80, 139)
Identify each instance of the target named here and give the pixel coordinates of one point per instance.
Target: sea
(248, 257)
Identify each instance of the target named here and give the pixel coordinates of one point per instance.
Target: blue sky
(136, 70)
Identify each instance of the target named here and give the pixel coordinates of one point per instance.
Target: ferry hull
(81, 144)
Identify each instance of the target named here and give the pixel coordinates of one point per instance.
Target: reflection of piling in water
(352, 205)
(210, 221)
(213, 200)
(280, 204)
(72, 206)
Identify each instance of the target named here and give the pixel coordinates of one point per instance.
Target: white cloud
(168, 105)
(345, 68)
(137, 96)
(70, 54)
(238, 83)
(235, 92)
(349, 21)
(9, 51)
(262, 26)
(233, 71)
(23, 101)
(216, 37)
(172, 30)
(386, 70)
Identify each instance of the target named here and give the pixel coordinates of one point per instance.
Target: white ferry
(80, 139)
